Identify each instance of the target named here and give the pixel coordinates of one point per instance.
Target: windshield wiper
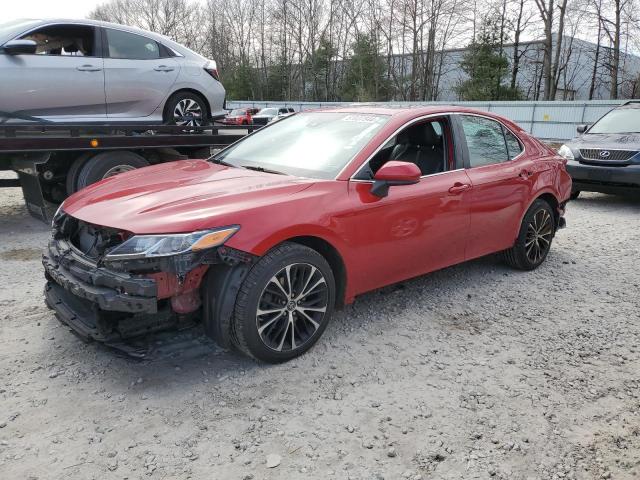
(221, 162)
(262, 169)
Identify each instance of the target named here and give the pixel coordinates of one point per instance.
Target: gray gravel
(476, 371)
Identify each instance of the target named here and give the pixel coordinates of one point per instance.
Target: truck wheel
(71, 182)
(535, 237)
(186, 109)
(284, 304)
(108, 164)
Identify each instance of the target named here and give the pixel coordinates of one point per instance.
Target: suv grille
(604, 155)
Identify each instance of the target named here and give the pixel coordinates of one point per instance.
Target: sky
(13, 9)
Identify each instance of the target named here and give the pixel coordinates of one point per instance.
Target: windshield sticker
(361, 118)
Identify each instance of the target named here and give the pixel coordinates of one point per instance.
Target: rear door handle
(459, 188)
(88, 68)
(525, 174)
(163, 68)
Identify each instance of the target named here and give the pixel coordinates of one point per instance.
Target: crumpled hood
(182, 196)
(607, 141)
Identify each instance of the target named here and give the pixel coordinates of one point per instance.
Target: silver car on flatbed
(85, 71)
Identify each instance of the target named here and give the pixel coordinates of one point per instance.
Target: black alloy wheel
(284, 303)
(539, 235)
(534, 239)
(292, 307)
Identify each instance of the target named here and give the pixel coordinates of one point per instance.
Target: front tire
(534, 239)
(284, 304)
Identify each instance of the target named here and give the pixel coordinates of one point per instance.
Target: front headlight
(566, 152)
(152, 246)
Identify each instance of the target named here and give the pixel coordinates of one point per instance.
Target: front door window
(65, 40)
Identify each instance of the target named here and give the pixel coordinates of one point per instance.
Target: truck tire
(71, 181)
(108, 164)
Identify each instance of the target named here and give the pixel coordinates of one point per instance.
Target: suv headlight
(566, 152)
(152, 246)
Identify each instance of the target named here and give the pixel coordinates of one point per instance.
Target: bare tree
(301, 49)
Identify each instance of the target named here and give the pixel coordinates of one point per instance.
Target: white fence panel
(544, 119)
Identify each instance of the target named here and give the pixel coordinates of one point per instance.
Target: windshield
(9, 29)
(620, 120)
(310, 144)
(268, 111)
(237, 111)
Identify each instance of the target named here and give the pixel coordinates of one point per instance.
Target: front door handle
(459, 188)
(88, 68)
(163, 68)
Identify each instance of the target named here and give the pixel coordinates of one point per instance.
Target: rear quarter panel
(550, 169)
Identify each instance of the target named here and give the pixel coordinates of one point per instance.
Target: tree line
(376, 50)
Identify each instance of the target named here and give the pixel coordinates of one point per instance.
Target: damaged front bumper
(109, 290)
(99, 303)
(123, 300)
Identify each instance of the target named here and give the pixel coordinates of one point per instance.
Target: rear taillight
(212, 69)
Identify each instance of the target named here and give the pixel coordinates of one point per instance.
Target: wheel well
(334, 259)
(187, 90)
(553, 202)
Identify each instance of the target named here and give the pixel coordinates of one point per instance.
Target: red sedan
(262, 241)
(240, 116)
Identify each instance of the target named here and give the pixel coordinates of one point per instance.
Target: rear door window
(514, 147)
(125, 45)
(485, 141)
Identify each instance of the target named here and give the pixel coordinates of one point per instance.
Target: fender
(267, 243)
(536, 196)
(260, 246)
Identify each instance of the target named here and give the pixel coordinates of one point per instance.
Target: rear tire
(107, 164)
(534, 239)
(574, 194)
(284, 304)
(186, 104)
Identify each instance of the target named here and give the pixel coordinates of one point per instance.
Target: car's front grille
(604, 155)
(90, 240)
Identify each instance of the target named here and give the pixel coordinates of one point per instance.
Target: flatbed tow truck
(54, 160)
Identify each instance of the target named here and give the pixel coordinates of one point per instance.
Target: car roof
(630, 104)
(35, 23)
(86, 21)
(407, 112)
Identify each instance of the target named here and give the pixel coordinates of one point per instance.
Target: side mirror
(394, 173)
(582, 128)
(20, 47)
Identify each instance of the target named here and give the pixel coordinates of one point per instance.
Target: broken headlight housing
(154, 246)
(56, 215)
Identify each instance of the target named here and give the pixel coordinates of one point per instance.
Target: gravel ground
(476, 371)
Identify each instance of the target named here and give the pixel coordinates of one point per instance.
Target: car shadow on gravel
(184, 355)
(443, 297)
